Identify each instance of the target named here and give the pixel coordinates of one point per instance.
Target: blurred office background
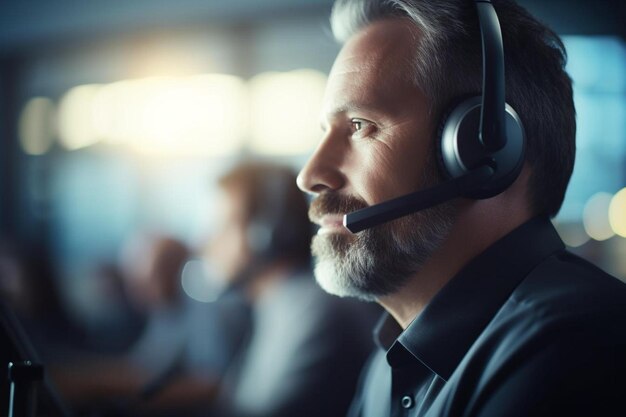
(118, 116)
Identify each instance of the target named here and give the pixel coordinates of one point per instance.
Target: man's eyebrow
(354, 106)
(351, 106)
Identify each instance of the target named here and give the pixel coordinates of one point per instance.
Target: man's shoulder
(567, 287)
(562, 298)
(558, 340)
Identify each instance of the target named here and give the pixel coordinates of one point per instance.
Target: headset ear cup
(438, 151)
(446, 124)
(460, 149)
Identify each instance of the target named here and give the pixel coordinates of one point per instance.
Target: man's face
(377, 145)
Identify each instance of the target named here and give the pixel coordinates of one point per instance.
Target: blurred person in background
(180, 330)
(303, 352)
(183, 350)
(272, 344)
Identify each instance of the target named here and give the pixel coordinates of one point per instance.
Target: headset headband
(492, 112)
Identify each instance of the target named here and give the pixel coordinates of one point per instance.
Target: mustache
(330, 202)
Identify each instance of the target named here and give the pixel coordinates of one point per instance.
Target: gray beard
(379, 261)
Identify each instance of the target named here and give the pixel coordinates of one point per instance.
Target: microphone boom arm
(365, 218)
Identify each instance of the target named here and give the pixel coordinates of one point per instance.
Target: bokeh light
(76, 117)
(198, 281)
(596, 216)
(285, 111)
(617, 213)
(201, 115)
(37, 125)
(572, 233)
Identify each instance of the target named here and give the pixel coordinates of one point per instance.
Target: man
(488, 315)
(303, 356)
(183, 350)
(183, 340)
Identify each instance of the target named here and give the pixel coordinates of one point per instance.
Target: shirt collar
(386, 331)
(441, 335)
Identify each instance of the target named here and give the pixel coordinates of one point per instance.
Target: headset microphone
(480, 143)
(398, 207)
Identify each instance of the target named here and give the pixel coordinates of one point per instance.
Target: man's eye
(362, 128)
(356, 124)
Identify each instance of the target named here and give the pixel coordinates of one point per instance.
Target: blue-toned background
(80, 175)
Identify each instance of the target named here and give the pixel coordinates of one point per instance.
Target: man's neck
(475, 229)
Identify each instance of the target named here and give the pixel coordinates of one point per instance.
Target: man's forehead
(380, 41)
(370, 66)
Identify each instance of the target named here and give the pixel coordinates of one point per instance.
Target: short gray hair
(447, 65)
(437, 21)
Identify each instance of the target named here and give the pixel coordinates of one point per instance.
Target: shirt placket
(409, 385)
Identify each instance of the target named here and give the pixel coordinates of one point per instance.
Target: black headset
(480, 142)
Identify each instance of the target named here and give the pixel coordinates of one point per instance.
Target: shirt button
(407, 402)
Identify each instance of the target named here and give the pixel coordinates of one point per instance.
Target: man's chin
(326, 277)
(334, 282)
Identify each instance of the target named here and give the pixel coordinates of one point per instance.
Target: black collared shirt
(525, 329)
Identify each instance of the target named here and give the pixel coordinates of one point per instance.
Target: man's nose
(323, 170)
